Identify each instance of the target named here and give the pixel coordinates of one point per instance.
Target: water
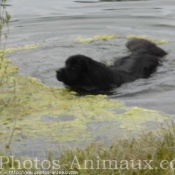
(54, 24)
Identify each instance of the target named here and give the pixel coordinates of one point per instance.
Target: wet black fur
(81, 73)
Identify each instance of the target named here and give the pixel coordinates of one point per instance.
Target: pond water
(54, 25)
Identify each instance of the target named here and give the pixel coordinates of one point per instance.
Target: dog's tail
(135, 45)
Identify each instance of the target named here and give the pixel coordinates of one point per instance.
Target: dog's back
(136, 45)
(144, 58)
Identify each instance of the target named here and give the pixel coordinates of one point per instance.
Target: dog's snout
(59, 74)
(59, 71)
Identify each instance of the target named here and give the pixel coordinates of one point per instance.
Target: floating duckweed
(103, 37)
(13, 49)
(130, 36)
(137, 117)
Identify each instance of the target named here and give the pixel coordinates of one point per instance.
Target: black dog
(82, 73)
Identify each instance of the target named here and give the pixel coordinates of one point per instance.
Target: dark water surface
(54, 24)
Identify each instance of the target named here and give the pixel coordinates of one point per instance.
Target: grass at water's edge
(149, 154)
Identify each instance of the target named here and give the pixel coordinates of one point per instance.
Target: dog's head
(75, 67)
(83, 73)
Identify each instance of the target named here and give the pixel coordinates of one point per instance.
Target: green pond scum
(106, 37)
(103, 37)
(130, 36)
(59, 114)
(13, 49)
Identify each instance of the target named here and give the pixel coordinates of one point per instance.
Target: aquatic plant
(103, 37)
(156, 41)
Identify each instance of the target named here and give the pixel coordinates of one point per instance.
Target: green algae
(131, 36)
(106, 37)
(13, 49)
(27, 100)
(103, 37)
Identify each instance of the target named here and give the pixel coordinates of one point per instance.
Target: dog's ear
(86, 63)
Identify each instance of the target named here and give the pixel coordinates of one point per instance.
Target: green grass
(127, 157)
(151, 153)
